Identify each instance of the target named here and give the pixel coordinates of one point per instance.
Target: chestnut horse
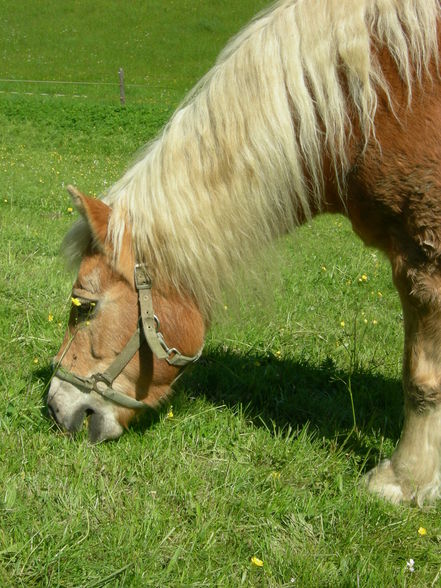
(316, 106)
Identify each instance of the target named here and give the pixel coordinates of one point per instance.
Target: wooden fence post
(122, 92)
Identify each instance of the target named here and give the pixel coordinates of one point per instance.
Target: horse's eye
(84, 307)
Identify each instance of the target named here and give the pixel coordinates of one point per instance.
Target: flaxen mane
(227, 174)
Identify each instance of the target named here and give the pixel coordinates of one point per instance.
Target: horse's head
(125, 342)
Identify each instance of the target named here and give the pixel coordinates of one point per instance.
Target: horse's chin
(69, 407)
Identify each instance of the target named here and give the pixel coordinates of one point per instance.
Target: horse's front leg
(414, 471)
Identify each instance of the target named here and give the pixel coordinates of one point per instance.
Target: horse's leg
(394, 204)
(413, 472)
(401, 214)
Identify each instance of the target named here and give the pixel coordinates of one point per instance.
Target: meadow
(251, 476)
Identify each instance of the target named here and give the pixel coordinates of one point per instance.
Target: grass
(298, 392)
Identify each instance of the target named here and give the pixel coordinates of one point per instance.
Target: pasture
(297, 395)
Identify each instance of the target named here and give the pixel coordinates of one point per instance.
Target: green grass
(271, 431)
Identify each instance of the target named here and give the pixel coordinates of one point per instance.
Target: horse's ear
(97, 215)
(94, 211)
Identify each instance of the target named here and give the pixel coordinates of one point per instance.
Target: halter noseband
(147, 328)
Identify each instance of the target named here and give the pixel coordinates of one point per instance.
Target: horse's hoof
(382, 480)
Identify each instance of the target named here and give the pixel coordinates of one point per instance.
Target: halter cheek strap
(150, 323)
(148, 326)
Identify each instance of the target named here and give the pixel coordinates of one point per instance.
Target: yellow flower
(364, 277)
(170, 413)
(324, 268)
(275, 475)
(70, 209)
(422, 531)
(50, 317)
(374, 322)
(256, 561)
(75, 301)
(342, 323)
(35, 359)
(365, 321)
(380, 295)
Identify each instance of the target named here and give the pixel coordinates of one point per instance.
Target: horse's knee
(420, 293)
(422, 390)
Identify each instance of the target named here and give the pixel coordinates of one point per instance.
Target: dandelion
(410, 565)
(365, 321)
(380, 295)
(75, 301)
(50, 317)
(70, 209)
(278, 353)
(256, 561)
(363, 278)
(6, 200)
(275, 475)
(225, 307)
(324, 268)
(170, 413)
(375, 322)
(342, 323)
(35, 359)
(422, 531)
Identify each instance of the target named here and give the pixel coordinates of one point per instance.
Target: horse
(315, 106)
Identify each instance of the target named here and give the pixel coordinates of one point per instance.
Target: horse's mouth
(69, 408)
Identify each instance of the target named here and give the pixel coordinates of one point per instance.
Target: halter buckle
(142, 278)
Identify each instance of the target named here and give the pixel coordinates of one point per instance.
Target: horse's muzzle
(69, 407)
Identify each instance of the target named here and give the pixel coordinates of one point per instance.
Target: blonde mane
(228, 173)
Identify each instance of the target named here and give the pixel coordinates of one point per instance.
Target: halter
(148, 329)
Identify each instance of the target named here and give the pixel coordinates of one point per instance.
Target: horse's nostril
(89, 411)
(52, 413)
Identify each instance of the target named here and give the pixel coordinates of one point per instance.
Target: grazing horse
(316, 106)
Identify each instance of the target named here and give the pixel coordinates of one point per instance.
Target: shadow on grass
(285, 394)
(288, 394)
